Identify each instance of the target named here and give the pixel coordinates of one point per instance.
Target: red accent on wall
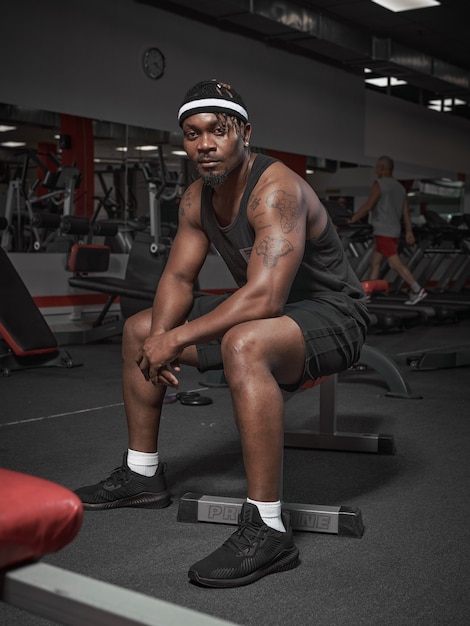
(80, 154)
(297, 162)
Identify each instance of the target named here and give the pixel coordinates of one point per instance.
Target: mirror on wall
(54, 166)
(106, 177)
(444, 198)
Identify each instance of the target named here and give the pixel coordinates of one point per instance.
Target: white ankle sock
(144, 463)
(415, 287)
(270, 513)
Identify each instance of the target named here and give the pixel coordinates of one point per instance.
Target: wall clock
(154, 63)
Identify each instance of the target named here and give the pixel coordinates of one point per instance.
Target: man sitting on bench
(299, 313)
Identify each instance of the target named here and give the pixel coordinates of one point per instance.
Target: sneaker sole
(288, 559)
(140, 501)
(409, 303)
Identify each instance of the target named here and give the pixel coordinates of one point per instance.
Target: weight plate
(195, 400)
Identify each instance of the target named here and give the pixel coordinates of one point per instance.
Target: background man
(389, 206)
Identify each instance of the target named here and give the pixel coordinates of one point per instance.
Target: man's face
(213, 144)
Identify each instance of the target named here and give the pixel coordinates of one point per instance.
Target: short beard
(214, 180)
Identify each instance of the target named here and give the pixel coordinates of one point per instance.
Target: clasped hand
(157, 358)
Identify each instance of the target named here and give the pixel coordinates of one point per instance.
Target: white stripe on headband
(213, 102)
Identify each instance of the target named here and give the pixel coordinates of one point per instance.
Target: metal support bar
(440, 359)
(69, 598)
(384, 365)
(328, 438)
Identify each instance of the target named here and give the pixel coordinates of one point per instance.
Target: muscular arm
(174, 295)
(368, 205)
(277, 211)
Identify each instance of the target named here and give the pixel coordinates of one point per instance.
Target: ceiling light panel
(406, 5)
(13, 144)
(385, 81)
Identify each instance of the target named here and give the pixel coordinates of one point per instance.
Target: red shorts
(386, 245)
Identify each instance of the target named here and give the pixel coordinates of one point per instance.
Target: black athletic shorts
(333, 340)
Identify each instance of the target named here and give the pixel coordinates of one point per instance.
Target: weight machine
(22, 203)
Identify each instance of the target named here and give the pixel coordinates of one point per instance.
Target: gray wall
(84, 58)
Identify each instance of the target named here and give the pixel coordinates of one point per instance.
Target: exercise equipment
(440, 358)
(39, 212)
(193, 399)
(149, 249)
(27, 338)
(31, 523)
(137, 289)
(162, 185)
(440, 261)
(39, 517)
(189, 398)
(83, 260)
(337, 520)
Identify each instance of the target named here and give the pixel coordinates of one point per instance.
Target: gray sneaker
(123, 487)
(414, 298)
(253, 551)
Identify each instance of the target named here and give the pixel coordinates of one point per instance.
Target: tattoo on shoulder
(287, 205)
(185, 203)
(258, 216)
(254, 203)
(271, 248)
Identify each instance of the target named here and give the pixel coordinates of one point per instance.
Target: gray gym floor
(412, 564)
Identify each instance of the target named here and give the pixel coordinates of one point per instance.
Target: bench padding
(37, 517)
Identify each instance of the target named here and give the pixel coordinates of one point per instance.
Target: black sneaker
(253, 551)
(123, 487)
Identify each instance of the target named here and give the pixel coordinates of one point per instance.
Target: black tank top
(324, 273)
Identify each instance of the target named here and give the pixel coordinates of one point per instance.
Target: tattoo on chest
(287, 205)
(271, 248)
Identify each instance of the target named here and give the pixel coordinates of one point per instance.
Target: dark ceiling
(428, 48)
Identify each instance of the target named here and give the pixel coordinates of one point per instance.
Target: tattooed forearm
(287, 205)
(271, 248)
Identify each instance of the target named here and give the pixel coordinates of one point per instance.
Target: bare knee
(136, 330)
(241, 350)
(395, 262)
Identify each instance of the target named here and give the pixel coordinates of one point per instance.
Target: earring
(247, 143)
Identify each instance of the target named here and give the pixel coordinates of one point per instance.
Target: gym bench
(27, 336)
(136, 290)
(339, 520)
(39, 517)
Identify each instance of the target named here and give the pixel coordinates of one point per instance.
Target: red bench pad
(37, 517)
(371, 286)
(308, 384)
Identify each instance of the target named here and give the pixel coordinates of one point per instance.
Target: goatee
(214, 180)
